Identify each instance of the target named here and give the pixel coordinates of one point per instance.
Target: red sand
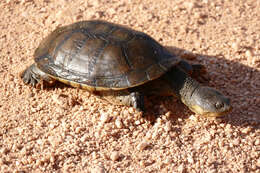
(63, 129)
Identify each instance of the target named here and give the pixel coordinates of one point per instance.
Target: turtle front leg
(124, 97)
(33, 75)
(137, 101)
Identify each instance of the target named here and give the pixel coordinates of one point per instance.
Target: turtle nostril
(219, 105)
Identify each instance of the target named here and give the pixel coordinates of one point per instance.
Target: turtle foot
(33, 76)
(137, 101)
(30, 77)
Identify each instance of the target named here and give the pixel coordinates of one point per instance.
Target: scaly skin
(200, 99)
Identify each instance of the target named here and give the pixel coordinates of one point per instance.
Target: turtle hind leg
(33, 75)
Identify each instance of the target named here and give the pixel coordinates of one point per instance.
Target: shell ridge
(125, 55)
(114, 57)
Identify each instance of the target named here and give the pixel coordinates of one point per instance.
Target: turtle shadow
(158, 106)
(55, 85)
(241, 83)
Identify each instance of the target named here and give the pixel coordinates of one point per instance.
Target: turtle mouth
(198, 110)
(217, 114)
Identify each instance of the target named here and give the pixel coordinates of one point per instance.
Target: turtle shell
(101, 56)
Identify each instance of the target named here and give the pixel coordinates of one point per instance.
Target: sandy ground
(63, 129)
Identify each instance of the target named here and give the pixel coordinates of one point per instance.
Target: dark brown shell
(102, 55)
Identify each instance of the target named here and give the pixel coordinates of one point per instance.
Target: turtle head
(209, 102)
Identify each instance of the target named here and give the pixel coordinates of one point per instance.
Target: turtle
(121, 65)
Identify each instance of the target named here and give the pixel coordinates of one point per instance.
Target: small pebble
(52, 158)
(114, 156)
(181, 168)
(142, 146)
(155, 134)
(137, 122)
(131, 110)
(189, 5)
(249, 54)
(78, 129)
(168, 161)
(168, 114)
(52, 126)
(118, 123)
(190, 159)
(213, 170)
(236, 142)
(56, 99)
(142, 163)
(104, 118)
(115, 113)
(17, 163)
(148, 135)
(4, 150)
(84, 138)
(235, 46)
(258, 162)
(159, 122)
(246, 130)
(126, 113)
(98, 169)
(194, 118)
(167, 127)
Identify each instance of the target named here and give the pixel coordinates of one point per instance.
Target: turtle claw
(33, 76)
(29, 77)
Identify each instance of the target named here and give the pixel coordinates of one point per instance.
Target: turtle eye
(219, 105)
